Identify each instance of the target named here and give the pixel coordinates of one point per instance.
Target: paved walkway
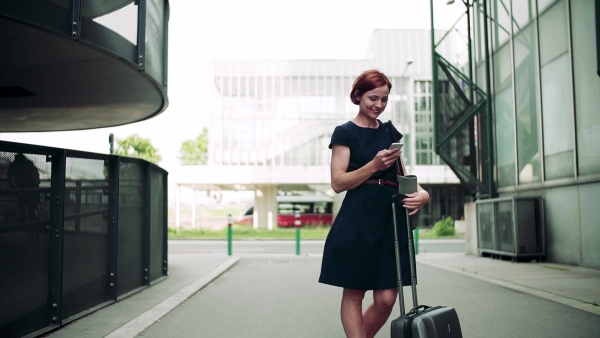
(575, 287)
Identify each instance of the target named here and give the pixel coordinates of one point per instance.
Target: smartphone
(397, 145)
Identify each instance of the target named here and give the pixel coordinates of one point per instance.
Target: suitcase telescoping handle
(410, 259)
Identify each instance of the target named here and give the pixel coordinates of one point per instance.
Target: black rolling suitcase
(421, 321)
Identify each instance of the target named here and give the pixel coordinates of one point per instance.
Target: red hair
(366, 81)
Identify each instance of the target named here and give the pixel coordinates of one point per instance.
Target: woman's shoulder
(344, 134)
(347, 125)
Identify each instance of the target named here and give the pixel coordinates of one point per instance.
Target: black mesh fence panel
(504, 226)
(485, 226)
(25, 181)
(34, 295)
(511, 227)
(85, 243)
(158, 259)
(130, 261)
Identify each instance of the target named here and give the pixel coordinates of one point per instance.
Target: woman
(359, 250)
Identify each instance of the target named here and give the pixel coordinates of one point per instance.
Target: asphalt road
(269, 296)
(289, 247)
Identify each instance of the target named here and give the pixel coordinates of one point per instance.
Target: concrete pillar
(265, 207)
(337, 203)
(471, 229)
(194, 211)
(178, 207)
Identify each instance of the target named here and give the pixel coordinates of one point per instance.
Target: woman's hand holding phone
(397, 146)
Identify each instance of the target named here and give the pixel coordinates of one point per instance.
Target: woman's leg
(351, 312)
(379, 311)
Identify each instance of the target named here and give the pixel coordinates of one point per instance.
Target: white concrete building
(271, 123)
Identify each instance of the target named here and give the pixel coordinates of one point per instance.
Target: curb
(146, 319)
(574, 303)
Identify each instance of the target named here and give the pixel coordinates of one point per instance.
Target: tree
(195, 152)
(136, 146)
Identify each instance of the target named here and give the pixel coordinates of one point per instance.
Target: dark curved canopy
(94, 8)
(52, 82)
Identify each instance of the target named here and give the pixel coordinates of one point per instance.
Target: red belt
(381, 182)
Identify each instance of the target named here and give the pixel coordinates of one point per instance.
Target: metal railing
(462, 111)
(78, 231)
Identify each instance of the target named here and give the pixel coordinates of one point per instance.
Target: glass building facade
(281, 113)
(545, 97)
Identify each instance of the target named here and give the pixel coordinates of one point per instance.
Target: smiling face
(373, 102)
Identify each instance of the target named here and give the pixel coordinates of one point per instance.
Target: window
(505, 124)
(543, 4)
(322, 207)
(523, 13)
(587, 85)
(501, 22)
(424, 122)
(526, 89)
(557, 98)
(294, 208)
(558, 119)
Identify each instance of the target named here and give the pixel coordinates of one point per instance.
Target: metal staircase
(462, 113)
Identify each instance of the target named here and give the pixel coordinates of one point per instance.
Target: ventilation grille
(511, 226)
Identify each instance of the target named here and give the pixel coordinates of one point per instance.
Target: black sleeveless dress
(359, 249)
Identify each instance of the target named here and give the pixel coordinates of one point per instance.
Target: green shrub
(444, 228)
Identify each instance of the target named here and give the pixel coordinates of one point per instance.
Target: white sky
(201, 31)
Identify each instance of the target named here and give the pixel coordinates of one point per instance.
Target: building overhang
(52, 79)
(240, 178)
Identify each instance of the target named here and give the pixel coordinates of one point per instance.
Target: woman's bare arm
(342, 180)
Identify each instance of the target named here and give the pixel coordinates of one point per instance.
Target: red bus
(313, 210)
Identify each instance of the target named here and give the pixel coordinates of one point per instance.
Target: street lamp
(408, 63)
(405, 102)
(403, 95)
(468, 4)
(402, 78)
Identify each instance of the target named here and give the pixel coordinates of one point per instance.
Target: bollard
(416, 238)
(229, 234)
(297, 224)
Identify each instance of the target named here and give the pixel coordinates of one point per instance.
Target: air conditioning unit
(511, 226)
